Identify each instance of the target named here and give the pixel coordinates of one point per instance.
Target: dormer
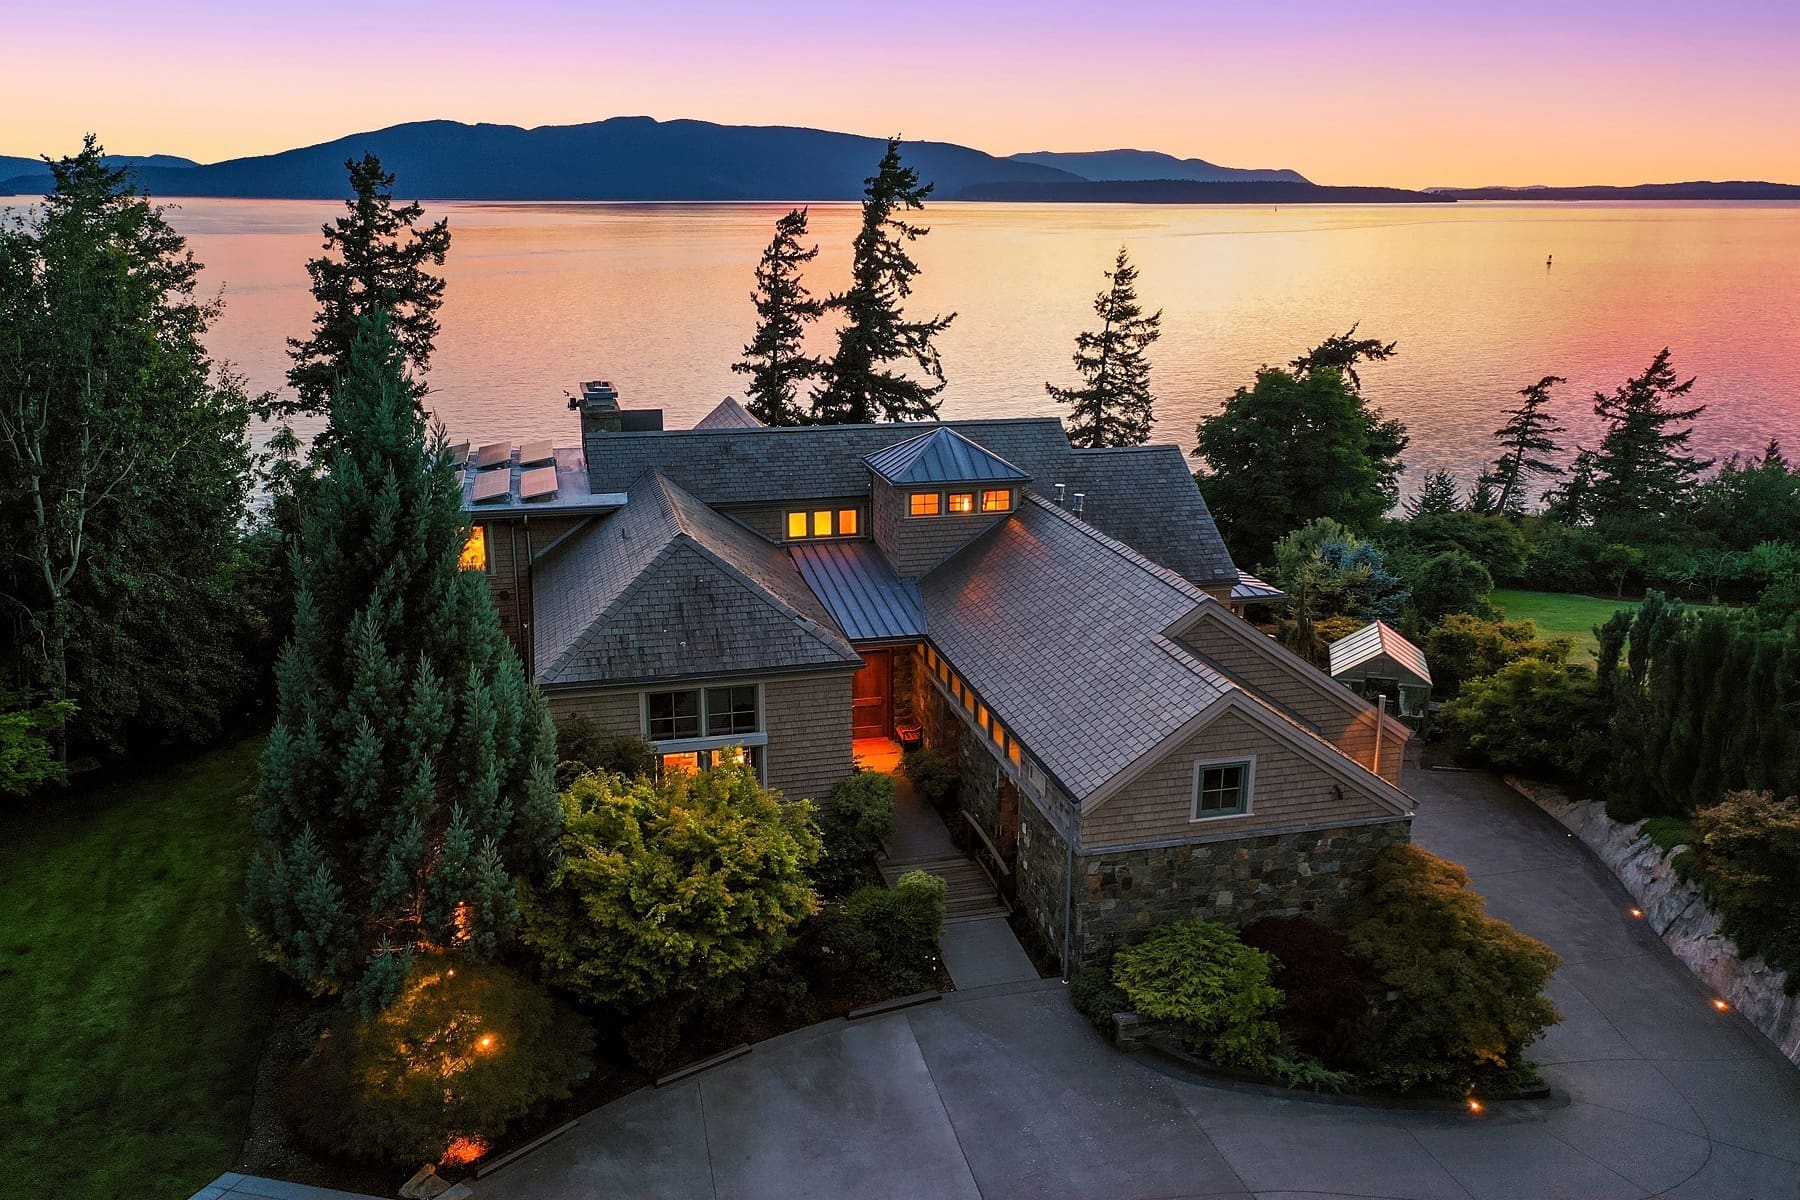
(932, 494)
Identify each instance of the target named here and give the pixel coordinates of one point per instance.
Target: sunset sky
(1401, 92)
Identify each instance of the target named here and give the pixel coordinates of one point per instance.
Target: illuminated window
(962, 502)
(796, 525)
(474, 551)
(846, 522)
(1221, 789)
(679, 764)
(981, 716)
(730, 710)
(821, 523)
(996, 500)
(824, 523)
(1012, 751)
(673, 715)
(922, 504)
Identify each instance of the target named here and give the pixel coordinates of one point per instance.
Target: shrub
(1096, 997)
(1202, 976)
(668, 887)
(1325, 987)
(1451, 582)
(1749, 848)
(1536, 717)
(582, 746)
(933, 774)
(859, 819)
(1463, 647)
(462, 1052)
(1463, 992)
(888, 936)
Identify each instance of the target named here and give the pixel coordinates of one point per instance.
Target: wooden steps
(970, 894)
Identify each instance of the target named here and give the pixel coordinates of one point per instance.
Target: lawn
(132, 1006)
(1561, 612)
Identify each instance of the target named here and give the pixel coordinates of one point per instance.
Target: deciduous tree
(1113, 406)
(776, 360)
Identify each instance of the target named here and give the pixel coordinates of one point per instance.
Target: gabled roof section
(1372, 641)
(857, 586)
(1146, 497)
(729, 414)
(668, 588)
(941, 456)
(1251, 590)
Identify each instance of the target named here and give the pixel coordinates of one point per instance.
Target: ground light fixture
(1720, 1005)
(1474, 1105)
(1637, 912)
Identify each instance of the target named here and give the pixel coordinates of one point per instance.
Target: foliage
(775, 360)
(582, 746)
(408, 779)
(1294, 447)
(1463, 991)
(1641, 468)
(1330, 572)
(1528, 449)
(124, 468)
(1463, 646)
(462, 1052)
(1439, 494)
(1749, 849)
(1340, 353)
(1096, 997)
(28, 742)
(1113, 406)
(669, 886)
(852, 828)
(1497, 543)
(1536, 717)
(382, 265)
(859, 386)
(932, 773)
(891, 935)
(1450, 582)
(1202, 976)
(1750, 500)
(1324, 989)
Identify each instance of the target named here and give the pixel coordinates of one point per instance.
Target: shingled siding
(914, 545)
(510, 547)
(1122, 895)
(1287, 788)
(616, 712)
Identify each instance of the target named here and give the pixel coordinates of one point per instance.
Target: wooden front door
(872, 695)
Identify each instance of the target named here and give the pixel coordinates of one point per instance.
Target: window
(474, 551)
(962, 502)
(996, 500)
(687, 762)
(846, 526)
(1012, 751)
(823, 523)
(730, 710)
(1221, 789)
(673, 715)
(796, 525)
(922, 504)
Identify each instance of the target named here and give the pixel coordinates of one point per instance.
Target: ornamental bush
(1326, 989)
(1460, 993)
(933, 773)
(1463, 647)
(461, 1053)
(669, 886)
(859, 818)
(1202, 976)
(1749, 848)
(1535, 717)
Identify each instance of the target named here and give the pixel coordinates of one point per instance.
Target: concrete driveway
(1005, 1091)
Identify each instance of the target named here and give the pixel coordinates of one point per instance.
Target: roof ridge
(1122, 549)
(760, 430)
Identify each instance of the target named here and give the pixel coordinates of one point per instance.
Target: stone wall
(979, 793)
(1121, 895)
(1042, 867)
(1677, 911)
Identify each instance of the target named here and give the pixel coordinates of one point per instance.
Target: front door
(872, 695)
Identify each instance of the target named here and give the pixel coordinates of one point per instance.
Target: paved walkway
(1005, 1091)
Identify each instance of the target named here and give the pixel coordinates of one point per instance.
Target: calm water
(656, 298)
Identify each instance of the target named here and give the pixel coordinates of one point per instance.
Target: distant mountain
(624, 158)
(1102, 166)
(1698, 190)
(15, 168)
(1181, 191)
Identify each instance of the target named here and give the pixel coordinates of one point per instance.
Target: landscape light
(1637, 912)
(1720, 1005)
(1474, 1105)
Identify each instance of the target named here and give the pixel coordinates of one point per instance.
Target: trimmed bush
(933, 774)
(583, 747)
(1202, 976)
(1462, 993)
(1453, 581)
(1326, 989)
(1749, 848)
(1096, 997)
(889, 936)
(1535, 717)
(461, 1053)
(1463, 647)
(859, 818)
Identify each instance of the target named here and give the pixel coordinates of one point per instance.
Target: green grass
(1561, 612)
(132, 1008)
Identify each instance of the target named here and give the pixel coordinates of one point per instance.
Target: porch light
(1474, 1105)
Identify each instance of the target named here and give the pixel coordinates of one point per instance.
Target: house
(1056, 619)
(1377, 661)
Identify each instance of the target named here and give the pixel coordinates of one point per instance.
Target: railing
(993, 850)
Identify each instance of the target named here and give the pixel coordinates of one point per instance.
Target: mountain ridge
(1138, 166)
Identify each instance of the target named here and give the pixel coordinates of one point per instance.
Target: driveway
(1005, 1091)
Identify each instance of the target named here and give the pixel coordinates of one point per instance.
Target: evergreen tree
(1341, 352)
(774, 359)
(409, 777)
(1641, 468)
(859, 386)
(1572, 501)
(1483, 498)
(1526, 444)
(381, 263)
(1113, 406)
(1439, 494)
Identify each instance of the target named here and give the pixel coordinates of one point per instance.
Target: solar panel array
(491, 485)
(533, 453)
(538, 483)
(493, 454)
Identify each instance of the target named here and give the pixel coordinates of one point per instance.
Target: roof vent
(1061, 492)
(1079, 497)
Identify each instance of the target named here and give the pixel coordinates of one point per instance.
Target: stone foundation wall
(1042, 867)
(1121, 895)
(979, 793)
(1677, 911)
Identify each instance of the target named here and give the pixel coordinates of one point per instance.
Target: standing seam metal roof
(941, 456)
(855, 583)
(1372, 641)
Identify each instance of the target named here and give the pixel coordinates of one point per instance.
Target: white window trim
(1248, 762)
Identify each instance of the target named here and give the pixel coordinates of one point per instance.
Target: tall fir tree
(775, 359)
(1527, 446)
(1341, 352)
(377, 259)
(409, 777)
(860, 383)
(1439, 494)
(1113, 405)
(1642, 468)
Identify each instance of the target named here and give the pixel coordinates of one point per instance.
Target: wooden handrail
(999, 860)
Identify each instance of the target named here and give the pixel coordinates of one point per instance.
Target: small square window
(846, 526)
(796, 525)
(962, 502)
(922, 504)
(821, 523)
(674, 715)
(1012, 751)
(730, 710)
(1221, 790)
(996, 500)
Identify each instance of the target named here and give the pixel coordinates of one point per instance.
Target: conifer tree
(381, 262)
(1641, 468)
(1526, 444)
(409, 777)
(860, 385)
(1341, 352)
(1113, 406)
(774, 359)
(1439, 494)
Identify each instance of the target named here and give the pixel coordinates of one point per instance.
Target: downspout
(528, 614)
(1069, 908)
(1380, 711)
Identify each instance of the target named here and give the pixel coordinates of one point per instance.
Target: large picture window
(1222, 789)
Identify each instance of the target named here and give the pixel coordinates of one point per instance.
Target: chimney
(598, 405)
(1061, 493)
(1079, 497)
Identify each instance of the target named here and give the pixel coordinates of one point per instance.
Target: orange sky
(1388, 92)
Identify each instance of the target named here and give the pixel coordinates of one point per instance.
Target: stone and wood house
(1058, 620)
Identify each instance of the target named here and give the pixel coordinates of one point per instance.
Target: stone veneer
(1043, 864)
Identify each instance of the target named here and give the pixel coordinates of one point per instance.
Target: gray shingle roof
(1145, 496)
(941, 455)
(728, 414)
(865, 597)
(668, 588)
(1372, 641)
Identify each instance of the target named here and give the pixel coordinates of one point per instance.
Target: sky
(1395, 92)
